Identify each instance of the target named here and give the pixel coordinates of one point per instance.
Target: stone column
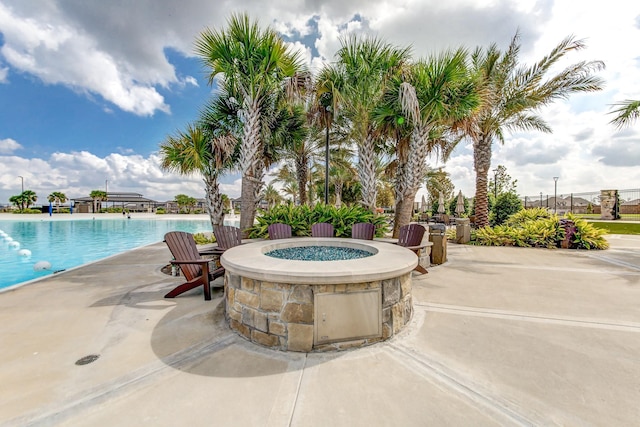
(608, 200)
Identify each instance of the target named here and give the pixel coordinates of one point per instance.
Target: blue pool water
(67, 244)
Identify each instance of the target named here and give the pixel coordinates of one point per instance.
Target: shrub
(506, 205)
(28, 211)
(525, 215)
(300, 218)
(160, 211)
(587, 236)
(204, 238)
(538, 228)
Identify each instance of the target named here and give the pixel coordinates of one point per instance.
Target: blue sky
(89, 89)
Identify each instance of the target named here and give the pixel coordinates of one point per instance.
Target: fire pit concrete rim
(388, 261)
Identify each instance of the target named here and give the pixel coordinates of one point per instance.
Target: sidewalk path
(500, 336)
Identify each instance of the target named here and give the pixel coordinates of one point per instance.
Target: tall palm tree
(254, 64)
(363, 69)
(432, 95)
(272, 196)
(511, 97)
(57, 197)
(293, 145)
(198, 151)
(98, 196)
(627, 112)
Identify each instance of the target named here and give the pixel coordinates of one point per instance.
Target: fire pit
(309, 305)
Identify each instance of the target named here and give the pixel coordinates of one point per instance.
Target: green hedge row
(538, 228)
(300, 218)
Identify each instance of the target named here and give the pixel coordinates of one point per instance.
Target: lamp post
(555, 194)
(541, 199)
(326, 156)
(495, 184)
(21, 183)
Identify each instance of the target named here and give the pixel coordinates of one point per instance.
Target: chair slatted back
(183, 247)
(322, 229)
(279, 231)
(227, 236)
(363, 230)
(411, 235)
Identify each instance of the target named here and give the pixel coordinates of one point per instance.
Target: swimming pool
(67, 244)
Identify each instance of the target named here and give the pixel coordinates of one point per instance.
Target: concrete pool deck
(500, 336)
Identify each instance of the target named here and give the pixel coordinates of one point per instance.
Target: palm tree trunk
(482, 163)
(338, 190)
(367, 173)
(251, 165)
(301, 174)
(411, 170)
(214, 201)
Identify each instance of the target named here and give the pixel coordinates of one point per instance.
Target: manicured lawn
(618, 227)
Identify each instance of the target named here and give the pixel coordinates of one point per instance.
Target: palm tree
(361, 74)
(201, 151)
(512, 95)
(627, 112)
(432, 95)
(29, 197)
(97, 196)
(272, 196)
(291, 189)
(254, 65)
(57, 198)
(341, 172)
(290, 140)
(17, 200)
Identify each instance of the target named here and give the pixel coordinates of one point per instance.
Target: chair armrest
(191, 261)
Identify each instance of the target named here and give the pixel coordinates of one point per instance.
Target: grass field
(618, 227)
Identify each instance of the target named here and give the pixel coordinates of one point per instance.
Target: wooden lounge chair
(363, 231)
(411, 238)
(227, 237)
(322, 229)
(194, 268)
(279, 231)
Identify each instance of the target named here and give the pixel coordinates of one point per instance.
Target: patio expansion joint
(505, 412)
(86, 399)
(531, 317)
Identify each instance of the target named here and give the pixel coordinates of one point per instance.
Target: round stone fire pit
(306, 305)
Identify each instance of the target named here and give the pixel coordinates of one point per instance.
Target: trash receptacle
(463, 230)
(439, 239)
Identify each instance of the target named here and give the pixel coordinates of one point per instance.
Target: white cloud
(4, 73)
(78, 173)
(118, 53)
(36, 47)
(8, 146)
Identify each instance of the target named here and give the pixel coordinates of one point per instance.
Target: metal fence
(586, 204)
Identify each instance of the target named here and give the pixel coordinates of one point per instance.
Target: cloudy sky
(89, 88)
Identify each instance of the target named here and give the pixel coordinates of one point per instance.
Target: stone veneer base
(281, 315)
(270, 301)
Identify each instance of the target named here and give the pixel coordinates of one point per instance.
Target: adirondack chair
(322, 229)
(411, 238)
(227, 237)
(279, 231)
(363, 230)
(194, 268)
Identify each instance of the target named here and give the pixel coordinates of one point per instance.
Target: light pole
(541, 199)
(555, 194)
(21, 183)
(327, 111)
(495, 184)
(106, 191)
